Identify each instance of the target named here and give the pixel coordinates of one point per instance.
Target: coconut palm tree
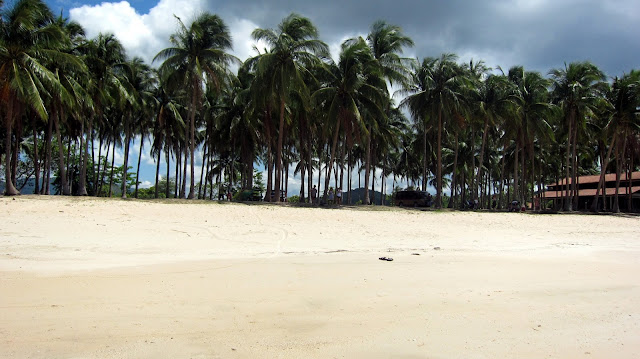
(491, 102)
(435, 93)
(104, 56)
(625, 122)
(198, 56)
(576, 89)
(139, 82)
(356, 84)
(387, 42)
(28, 39)
(294, 48)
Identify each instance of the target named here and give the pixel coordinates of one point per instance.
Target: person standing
(339, 196)
(314, 194)
(331, 195)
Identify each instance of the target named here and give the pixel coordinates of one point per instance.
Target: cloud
(142, 35)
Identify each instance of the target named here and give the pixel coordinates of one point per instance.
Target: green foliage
(293, 199)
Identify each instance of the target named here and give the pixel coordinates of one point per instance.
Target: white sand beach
(107, 278)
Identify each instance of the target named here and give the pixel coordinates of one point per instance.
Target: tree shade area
(486, 136)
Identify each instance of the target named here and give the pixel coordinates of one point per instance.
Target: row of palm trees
(480, 132)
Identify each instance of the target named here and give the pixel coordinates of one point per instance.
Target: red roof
(609, 177)
(592, 192)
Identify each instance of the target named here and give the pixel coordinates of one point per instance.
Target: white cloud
(144, 35)
(146, 184)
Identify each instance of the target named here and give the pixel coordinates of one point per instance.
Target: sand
(107, 278)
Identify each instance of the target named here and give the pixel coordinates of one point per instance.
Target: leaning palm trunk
(619, 165)
(9, 189)
(183, 188)
(603, 169)
(125, 166)
(113, 158)
(192, 140)
(334, 144)
(135, 194)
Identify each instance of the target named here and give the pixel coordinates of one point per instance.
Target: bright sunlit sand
(100, 278)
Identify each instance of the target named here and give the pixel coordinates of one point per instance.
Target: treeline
(476, 130)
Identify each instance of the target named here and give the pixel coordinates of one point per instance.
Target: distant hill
(358, 195)
(28, 188)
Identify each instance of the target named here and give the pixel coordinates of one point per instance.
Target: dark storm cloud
(538, 34)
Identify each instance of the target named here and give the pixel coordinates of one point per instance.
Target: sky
(537, 34)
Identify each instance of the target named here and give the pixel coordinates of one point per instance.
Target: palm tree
(625, 123)
(492, 103)
(104, 56)
(294, 48)
(198, 56)
(356, 83)
(387, 42)
(576, 89)
(435, 93)
(139, 82)
(28, 39)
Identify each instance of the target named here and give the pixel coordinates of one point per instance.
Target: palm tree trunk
(97, 178)
(100, 180)
(183, 188)
(619, 165)
(349, 175)
(9, 189)
(439, 168)
(629, 183)
(574, 170)
(192, 139)
(424, 158)
(367, 169)
(125, 165)
(279, 150)
(204, 161)
(166, 189)
(46, 178)
(269, 156)
(310, 164)
(482, 147)
(334, 144)
(453, 198)
(36, 160)
(155, 194)
(500, 203)
(84, 148)
(178, 152)
(568, 203)
(64, 187)
(135, 194)
(601, 182)
(113, 159)
(69, 174)
(93, 156)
